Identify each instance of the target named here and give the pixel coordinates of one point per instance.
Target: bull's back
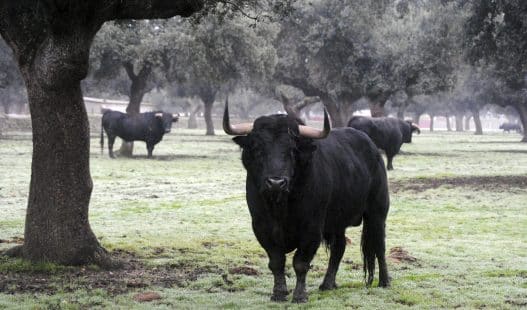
(354, 167)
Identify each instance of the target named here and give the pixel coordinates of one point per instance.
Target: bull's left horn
(234, 130)
(159, 115)
(313, 133)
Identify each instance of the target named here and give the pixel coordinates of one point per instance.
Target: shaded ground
(487, 183)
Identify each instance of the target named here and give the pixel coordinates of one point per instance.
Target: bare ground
(478, 183)
(134, 275)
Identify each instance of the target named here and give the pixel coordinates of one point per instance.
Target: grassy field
(457, 230)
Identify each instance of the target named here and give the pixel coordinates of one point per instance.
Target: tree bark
(138, 88)
(400, 112)
(208, 96)
(377, 109)
(459, 122)
(522, 111)
(448, 125)
(192, 121)
(431, 122)
(57, 227)
(477, 122)
(417, 118)
(467, 122)
(333, 110)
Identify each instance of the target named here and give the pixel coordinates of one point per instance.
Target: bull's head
(166, 120)
(274, 148)
(407, 137)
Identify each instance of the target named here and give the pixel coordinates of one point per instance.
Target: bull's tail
(373, 246)
(102, 138)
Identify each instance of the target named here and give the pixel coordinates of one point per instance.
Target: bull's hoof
(384, 283)
(327, 286)
(279, 297)
(300, 299)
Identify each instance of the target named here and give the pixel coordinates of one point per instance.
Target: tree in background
(11, 83)
(215, 55)
(496, 36)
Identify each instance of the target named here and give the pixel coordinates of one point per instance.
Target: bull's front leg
(301, 263)
(277, 266)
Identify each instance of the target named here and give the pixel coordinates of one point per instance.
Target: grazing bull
(387, 133)
(305, 186)
(149, 127)
(507, 127)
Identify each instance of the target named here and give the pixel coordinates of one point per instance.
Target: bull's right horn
(234, 130)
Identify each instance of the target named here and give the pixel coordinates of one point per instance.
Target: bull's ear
(242, 141)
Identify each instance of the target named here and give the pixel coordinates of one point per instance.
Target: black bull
(387, 133)
(306, 186)
(149, 127)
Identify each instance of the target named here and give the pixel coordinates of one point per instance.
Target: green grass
(470, 241)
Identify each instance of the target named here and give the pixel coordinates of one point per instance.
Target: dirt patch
(399, 255)
(248, 271)
(483, 183)
(146, 297)
(132, 276)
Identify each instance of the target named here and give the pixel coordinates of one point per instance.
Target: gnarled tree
(51, 43)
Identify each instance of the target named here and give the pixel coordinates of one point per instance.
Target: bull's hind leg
(374, 235)
(337, 248)
(111, 140)
(301, 263)
(277, 266)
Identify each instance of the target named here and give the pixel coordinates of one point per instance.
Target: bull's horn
(159, 115)
(175, 115)
(416, 128)
(234, 130)
(313, 133)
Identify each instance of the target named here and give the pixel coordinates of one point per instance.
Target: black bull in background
(149, 127)
(387, 133)
(305, 186)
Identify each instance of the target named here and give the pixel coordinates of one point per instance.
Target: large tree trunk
(448, 125)
(57, 227)
(459, 122)
(377, 109)
(138, 89)
(477, 122)
(522, 110)
(417, 118)
(431, 122)
(192, 121)
(467, 122)
(334, 112)
(208, 96)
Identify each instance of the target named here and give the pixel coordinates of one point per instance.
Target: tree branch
(148, 9)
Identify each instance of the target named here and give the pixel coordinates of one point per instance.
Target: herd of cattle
(304, 186)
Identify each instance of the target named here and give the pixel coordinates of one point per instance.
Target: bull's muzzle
(276, 184)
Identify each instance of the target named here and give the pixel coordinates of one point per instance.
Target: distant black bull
(305, 186)
(149, 127)
(387, 133)
(507, 127)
